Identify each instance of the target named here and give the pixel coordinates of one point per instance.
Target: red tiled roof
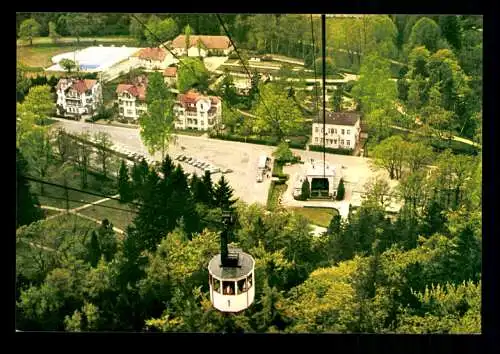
(80, 86)
(211, 42)
(192, 96)
(152, 53)
(170, 72)
(136, 91)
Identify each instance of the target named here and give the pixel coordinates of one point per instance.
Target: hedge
(331, 150)
(455, 146)
(272, 142)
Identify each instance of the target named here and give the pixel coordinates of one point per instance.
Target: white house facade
(131, 100)
(78, 97)
(342, 130)
(201, 46)
(152, 58)
(196, 111)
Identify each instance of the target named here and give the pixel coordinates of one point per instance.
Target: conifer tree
(208, 198)
(124, 185)
(94, 250)
(223, 194)
(107, 240)
(341, 190)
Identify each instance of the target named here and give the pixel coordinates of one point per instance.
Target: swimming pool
(89, 66)
(94, 58)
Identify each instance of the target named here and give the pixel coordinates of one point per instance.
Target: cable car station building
(323, 182)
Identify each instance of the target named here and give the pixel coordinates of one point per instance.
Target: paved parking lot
(239, 157)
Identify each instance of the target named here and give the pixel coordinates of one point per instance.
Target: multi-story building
(342, 130)
(196, 111)
(78, 98)
(201, 46)
(132, 99)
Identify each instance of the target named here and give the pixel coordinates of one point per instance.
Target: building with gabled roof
(153, 58)
(78, 97)
(201, 46)
(132, 99)
(196, 111)
(342, 130)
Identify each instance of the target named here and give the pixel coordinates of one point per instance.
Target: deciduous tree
(276, 113)
(27, 205)
(53, 32)
(192, 73)
(104, 144)
(29, 28)
(67, 64)
(390, 154)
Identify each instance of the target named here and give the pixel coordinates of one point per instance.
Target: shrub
(306, 190)
(341, 190)
(331, 150)
(349, 85)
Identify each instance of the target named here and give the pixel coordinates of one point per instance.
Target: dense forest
(418, 273)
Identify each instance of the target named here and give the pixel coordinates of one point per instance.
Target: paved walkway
(456, 138)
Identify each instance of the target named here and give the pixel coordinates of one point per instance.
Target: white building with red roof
(78, 98)
(201, 46)
(196, 111)
(153, 58)
(132, 99)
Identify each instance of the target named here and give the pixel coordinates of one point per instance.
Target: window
(347, 142)
(242, 286)
(228, 287)
(316, 129)
(335, 141)
(348, 132)
(216, 285)
(342, 131)
(331, 130)
(342, 142)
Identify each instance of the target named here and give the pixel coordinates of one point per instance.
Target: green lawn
(317, 216)
(39, 56)
(55, 196)
(83, 40)
(48, 212)
(120, 218)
